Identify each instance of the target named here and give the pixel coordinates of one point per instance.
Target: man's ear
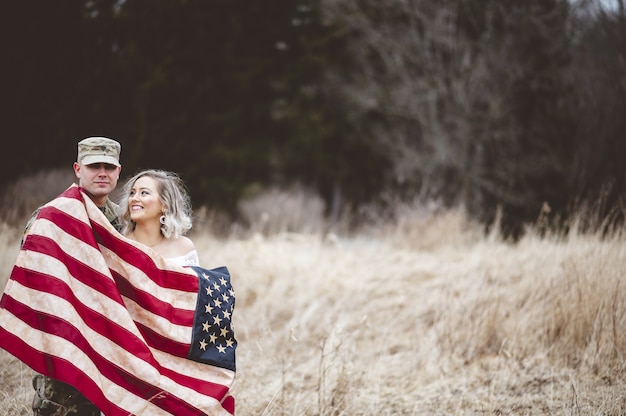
(77, 169)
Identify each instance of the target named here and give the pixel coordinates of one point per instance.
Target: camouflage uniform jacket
(53, 397)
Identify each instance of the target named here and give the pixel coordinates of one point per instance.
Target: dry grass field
(422, 316)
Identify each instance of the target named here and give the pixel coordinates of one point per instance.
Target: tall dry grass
(423, 315)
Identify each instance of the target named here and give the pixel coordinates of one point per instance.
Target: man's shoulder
(111, 205)
(111, 211)
(32, 219)
(29, 223)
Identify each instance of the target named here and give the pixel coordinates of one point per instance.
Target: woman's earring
(162, 219)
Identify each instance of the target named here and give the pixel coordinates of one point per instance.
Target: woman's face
(144, 202)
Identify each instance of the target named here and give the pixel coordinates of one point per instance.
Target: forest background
(503, 107)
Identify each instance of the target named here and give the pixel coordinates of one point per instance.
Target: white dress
(189, 259)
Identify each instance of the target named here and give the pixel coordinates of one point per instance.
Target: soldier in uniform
(97, 168)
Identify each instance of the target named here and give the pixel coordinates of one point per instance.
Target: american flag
(96, 310)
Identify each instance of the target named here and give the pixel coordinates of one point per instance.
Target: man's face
(98, 180)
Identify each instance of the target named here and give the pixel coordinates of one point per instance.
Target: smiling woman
(155, 210)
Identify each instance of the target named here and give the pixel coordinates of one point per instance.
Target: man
(97, 169)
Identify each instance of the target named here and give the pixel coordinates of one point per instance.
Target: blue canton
(213, 339)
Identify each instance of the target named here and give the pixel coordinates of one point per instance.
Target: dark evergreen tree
(599, 73)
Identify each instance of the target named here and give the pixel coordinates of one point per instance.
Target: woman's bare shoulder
(179, 246)
(186, 243)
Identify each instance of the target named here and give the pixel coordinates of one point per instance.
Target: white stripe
(195, 369)
(162, 326)
(73, 207)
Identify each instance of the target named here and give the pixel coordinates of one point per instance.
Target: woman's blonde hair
(177, 212)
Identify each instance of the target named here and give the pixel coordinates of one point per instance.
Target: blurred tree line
(492, 104)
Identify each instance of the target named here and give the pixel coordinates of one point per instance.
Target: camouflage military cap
(99, 150)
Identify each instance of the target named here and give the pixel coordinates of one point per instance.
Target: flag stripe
(112, 318)
(152, 304)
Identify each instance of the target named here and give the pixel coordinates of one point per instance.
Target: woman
(155, 210)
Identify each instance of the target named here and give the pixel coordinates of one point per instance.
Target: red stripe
(162, 343)
(229, 404)
(153, 304)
